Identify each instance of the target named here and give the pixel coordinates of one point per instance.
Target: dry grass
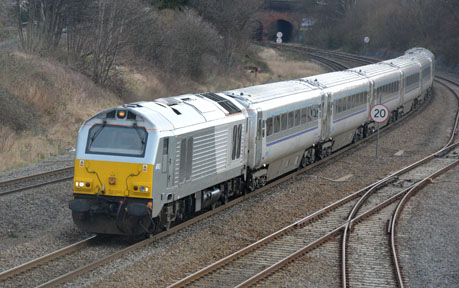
(280, 68)
(284, 68)
(62, 98)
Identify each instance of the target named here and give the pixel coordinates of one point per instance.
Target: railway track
(88, 267)
(260, 259)
(45, 259)
(36, 180)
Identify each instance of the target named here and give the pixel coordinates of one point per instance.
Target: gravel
(39, 221)
(428, 236)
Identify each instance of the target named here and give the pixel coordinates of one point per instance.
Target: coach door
(259, 137)
(325, 115)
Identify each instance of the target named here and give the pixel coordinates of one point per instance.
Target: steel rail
(34, 177)
(347, 226)
(46, 258)
(261, 275)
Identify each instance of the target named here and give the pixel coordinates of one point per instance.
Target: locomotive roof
(180, 111)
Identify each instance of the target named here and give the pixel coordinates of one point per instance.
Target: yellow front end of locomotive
(93, 177)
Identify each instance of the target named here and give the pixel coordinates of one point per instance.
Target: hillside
(45, 102)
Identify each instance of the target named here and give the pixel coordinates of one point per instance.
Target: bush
(16, 114)
(180, 43)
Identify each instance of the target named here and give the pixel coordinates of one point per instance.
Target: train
(142, 167)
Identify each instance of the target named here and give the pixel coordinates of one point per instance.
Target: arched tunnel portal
(283, 26)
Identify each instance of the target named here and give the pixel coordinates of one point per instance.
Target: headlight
(86, 184)
(140, 188)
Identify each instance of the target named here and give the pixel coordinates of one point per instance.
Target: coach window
(291, 120)
(311, 113)
(304, 115)
(315, 112)
(284, 121)
(276, 124)
(297, 117)
(269, 126)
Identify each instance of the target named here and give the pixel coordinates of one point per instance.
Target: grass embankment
(44, 102)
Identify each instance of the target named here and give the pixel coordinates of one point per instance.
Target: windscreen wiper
(94, 136)
(142, 138)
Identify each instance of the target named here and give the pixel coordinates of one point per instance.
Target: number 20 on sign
(379, 113)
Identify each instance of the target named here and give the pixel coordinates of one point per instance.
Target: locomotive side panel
(200, 159)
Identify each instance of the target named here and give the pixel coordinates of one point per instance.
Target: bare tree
(234, 20)
(453, 7)
(180, 43)
(44, 21)
(98, 31)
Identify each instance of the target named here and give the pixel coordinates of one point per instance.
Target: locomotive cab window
(117, 140)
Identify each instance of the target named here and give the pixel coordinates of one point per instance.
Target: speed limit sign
(379, 113)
